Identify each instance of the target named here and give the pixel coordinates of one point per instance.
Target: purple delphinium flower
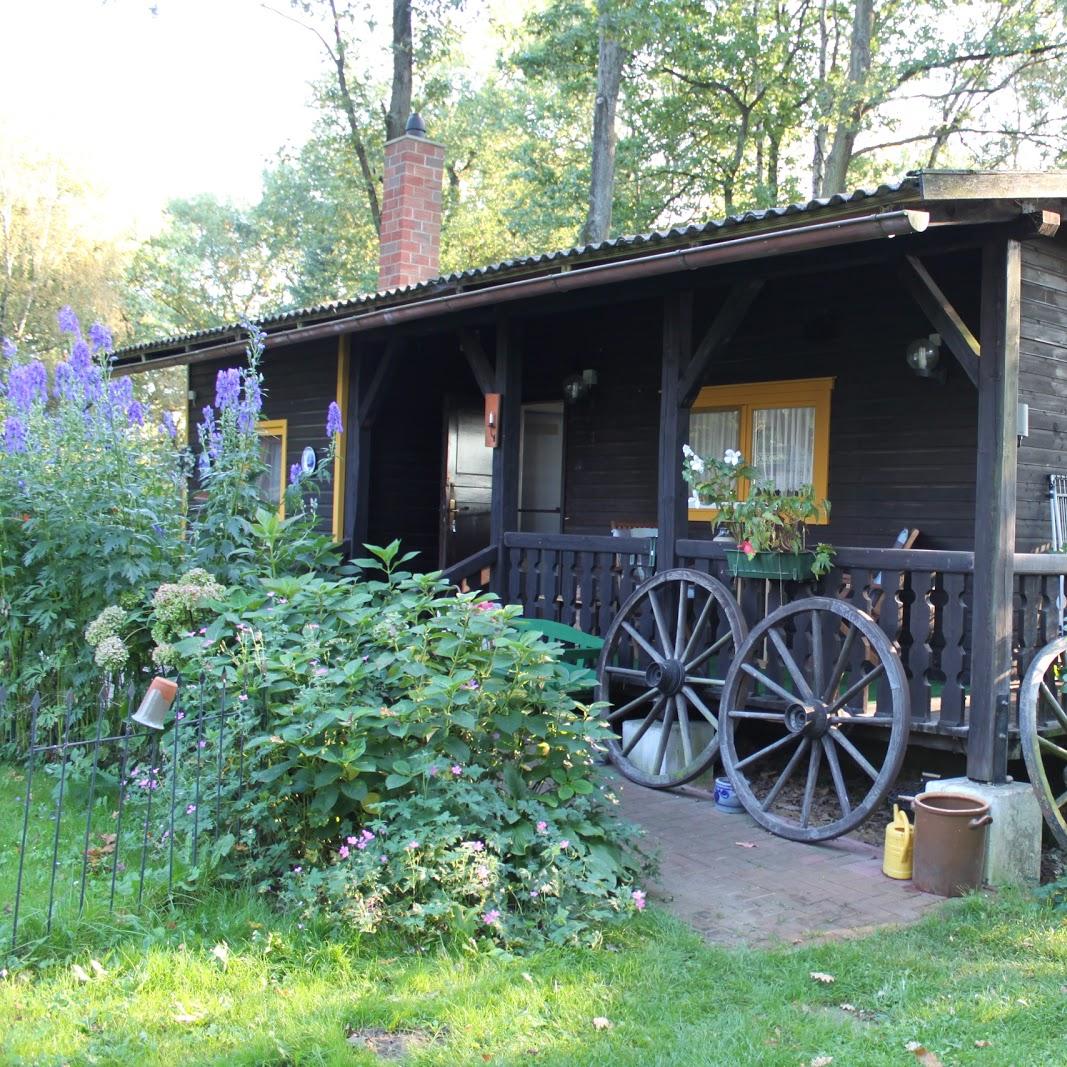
(135, 413)
(294, 474)
(68, 321)
(227, 388)
(100, 336)
(169, 427)
(246, 420)
(81, 361)
(8, 348)
(14, 435)
(208, 423)
(253, 394)
(64, 381)
(203, 464)
(120, 393)
(333, 420)
(27, 383)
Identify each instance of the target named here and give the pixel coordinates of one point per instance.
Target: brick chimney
(409, 245)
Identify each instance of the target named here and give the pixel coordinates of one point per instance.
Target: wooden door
(468, 482)
(541, 469)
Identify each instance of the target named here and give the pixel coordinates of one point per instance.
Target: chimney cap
(415, 127)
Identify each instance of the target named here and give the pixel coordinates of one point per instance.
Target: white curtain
(711, 433)
(271, 480)
(783, 446)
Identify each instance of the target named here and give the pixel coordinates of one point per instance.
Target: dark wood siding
(1042, 385)
(299, 382)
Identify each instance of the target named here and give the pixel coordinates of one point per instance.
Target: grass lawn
(227, 981)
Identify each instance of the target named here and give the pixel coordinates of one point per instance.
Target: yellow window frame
(278, 428)
(787, 393)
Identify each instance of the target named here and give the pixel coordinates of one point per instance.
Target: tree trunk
(610, 60)
(818, 156)
(774, 143)
(354, 135)
(850, 115)
(399, 112)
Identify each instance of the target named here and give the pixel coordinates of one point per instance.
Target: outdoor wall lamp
(575, 386)
(157, 701)
(924, 357)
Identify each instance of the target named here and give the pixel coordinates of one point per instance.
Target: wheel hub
(668, 677)
(811, 720)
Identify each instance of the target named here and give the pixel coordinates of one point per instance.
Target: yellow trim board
(745, 397)
(278, 428)
(338, 474)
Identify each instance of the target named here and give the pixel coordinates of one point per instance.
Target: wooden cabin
(506, 421)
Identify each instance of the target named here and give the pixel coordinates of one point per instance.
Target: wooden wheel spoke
(691, 665)
(1052, 748)
(657, 656)
(694, 699)
(786, 774)
(770, 683)
(621, 713)
(683, 604)
(835, 773)
(1057, 707)
(628, 673)
(640, 732)
(1061, 799)
(817, 674)
(840, 739)
(698, 629)
(856, 687)
(744, 713)
(683, 728)
(661, 623)
(772, 747)
(839, 664)
(695, 679)
(809, 785)
(664, 736)
(790, 664)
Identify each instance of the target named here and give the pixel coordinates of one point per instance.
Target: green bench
(580, 649)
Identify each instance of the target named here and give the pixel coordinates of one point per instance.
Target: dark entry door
(468, 482)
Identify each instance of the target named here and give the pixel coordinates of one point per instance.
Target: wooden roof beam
(942, 315)
(718, 336)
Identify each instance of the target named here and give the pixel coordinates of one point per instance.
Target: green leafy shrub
(396, 708)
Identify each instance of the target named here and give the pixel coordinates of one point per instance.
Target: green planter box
(780, 566)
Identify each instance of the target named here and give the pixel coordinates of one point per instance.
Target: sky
(154, 99)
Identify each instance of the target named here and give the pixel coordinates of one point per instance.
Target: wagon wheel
(805, 678)
(1043, 711)
(661, 670)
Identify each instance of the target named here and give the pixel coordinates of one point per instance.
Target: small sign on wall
(492, 420)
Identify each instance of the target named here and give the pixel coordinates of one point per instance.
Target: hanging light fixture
(924, 357)
(575, 386)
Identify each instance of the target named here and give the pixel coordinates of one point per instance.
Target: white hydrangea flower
(112, 654)
(731, 457)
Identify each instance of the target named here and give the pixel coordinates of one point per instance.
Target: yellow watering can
(899, 837)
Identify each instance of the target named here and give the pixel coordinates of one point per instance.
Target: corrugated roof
(617, 247)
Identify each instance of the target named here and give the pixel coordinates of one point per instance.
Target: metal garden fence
(105, 812)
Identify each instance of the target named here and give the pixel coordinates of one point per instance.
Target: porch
(921, 599)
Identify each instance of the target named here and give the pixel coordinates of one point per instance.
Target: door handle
(453, 508)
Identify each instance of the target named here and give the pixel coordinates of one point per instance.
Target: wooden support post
(994, 523)
(369, 375)
(504, 511)
(672, 512)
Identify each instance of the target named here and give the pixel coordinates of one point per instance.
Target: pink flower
(320, 671)
(190, 809)
(343, 852)
(433, 772)
(638, 898)
(485, 605)
(564, 844)
(383, 859)
(411, 846)
(472, 684)
(298, 870)
(534, 894)
(179, 715)
(457, 770)
(351, 840)
(542, 826)
(475, 846)
(242, 697)
(482, 871)
(491, 917)
(746, 547)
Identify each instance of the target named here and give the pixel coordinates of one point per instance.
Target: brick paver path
(778, 892)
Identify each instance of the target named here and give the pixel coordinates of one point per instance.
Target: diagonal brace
(370, 397)
(942, 315)
(718, 336)
(480, 366)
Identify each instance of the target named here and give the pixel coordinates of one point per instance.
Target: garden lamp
(156, 703)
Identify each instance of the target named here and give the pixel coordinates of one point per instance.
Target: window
(781, 428)
(272, 441)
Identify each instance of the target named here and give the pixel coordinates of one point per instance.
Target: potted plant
(769, 526)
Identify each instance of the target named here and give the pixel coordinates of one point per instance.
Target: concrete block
(643, 754)
(1013, 840)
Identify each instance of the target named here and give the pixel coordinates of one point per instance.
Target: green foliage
(402, 722)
